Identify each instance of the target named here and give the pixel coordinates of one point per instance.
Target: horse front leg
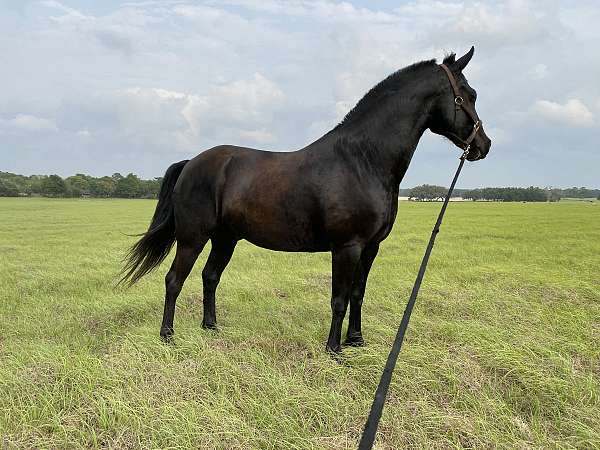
(345, 261)
(354, 336)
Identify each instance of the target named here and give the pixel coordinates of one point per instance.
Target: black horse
(338, 194)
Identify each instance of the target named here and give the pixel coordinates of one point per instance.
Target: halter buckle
(466, 152)
(458, 100)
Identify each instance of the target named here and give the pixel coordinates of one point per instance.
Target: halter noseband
(459, 102)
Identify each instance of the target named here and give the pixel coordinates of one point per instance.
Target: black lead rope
(368, 436)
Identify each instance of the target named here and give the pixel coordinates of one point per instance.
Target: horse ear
(462, 62)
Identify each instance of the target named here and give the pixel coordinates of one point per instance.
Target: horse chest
(386, 214)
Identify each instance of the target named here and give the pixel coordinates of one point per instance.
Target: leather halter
(460, 103)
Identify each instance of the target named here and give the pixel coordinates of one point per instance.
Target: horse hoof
(337, 355)
(354, 341)
(166, 336)
(334, 351)
(209, 325)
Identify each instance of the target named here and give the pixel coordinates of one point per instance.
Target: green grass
(503, 349)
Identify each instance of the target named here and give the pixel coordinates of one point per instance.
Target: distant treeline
(513, 194)
(131, 186)
(79, 185)
(428, 192)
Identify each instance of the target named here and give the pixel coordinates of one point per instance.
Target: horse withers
(338, 194)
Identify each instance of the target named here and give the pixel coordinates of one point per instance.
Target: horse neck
(388, 137)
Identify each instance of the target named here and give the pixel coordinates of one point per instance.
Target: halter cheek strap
(460, 103)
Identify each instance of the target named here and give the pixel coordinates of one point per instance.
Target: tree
(473, 194)
(128, 187)
(150, 188)
(78, 184)
(427, 192)
(53, 186)
(102, 187)
(554, 195)
(8, 188)
(510, 194)
(580, 192)
(34, 184)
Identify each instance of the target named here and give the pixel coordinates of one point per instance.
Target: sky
(113, 86)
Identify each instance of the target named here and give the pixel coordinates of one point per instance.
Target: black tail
(156, 243)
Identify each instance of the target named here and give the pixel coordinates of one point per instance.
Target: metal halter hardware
(460, 103)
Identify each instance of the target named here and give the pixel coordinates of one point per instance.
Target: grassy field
(503, 349)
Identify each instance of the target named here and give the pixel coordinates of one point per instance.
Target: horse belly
(280, 232)
(275, 239)
(274, 220)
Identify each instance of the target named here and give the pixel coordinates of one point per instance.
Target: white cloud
(240, 103)
(31, 123)
(247, 99)
(84, 133)
(513, 22)
(491, 24)
(166, 94)
(70, 14)
(338, 11)
(426, 10)
(167, 119)
(573, 112)
(121, 31)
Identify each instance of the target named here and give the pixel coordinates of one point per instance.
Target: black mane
(384, 87)
(449, 59)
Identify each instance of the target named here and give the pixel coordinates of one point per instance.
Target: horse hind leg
(220, 255)
(185, 257)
